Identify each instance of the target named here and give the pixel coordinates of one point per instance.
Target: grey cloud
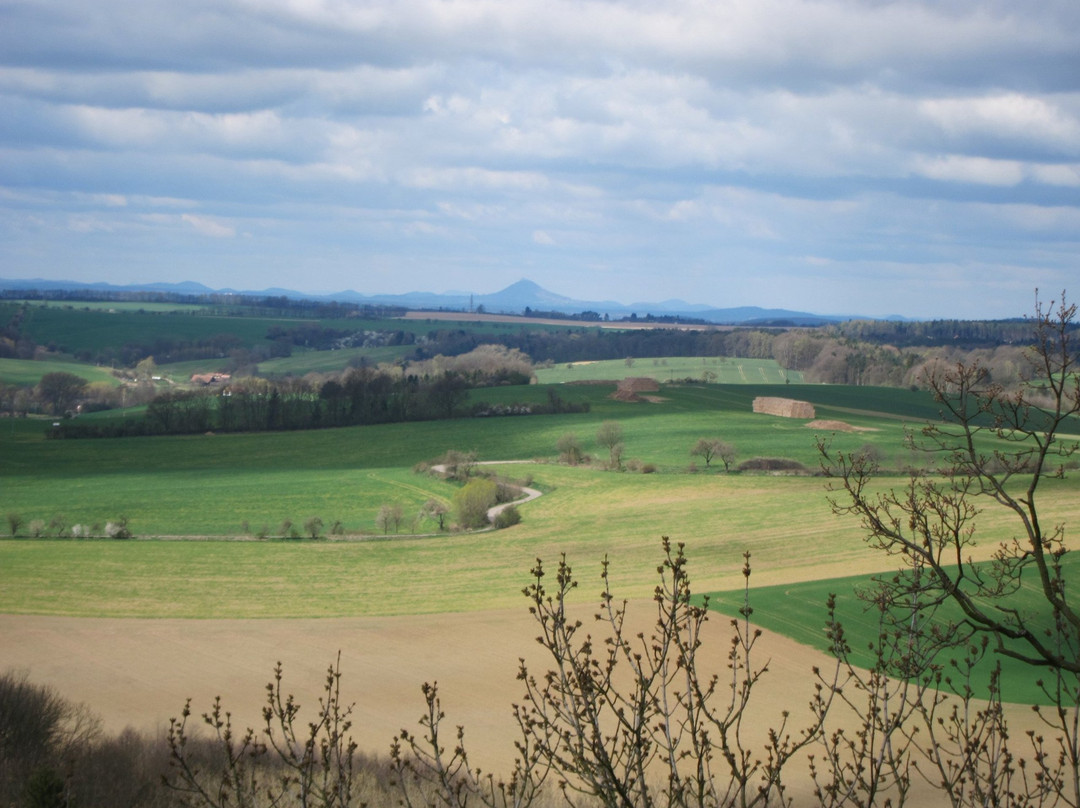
(779, 41)
(709, 141)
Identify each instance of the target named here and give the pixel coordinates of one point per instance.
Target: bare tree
(727, 454)
(458, 465)
(313, 526)
(425, 765)
(397, 516)
(569, 448)
(435, 510)
(610, 436)
(384, 519)
(996, 446)
(40, 732)
(709, 448)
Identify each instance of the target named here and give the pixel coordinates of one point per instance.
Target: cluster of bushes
(772, 464)
(480, 491)
(555, 405)
(58, 527)
(610, 437)
(312, 528)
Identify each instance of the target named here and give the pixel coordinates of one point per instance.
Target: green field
(83, 327)
(302, 362)
(28, 372)
(798, 611)
(722, 370)
(116, 306)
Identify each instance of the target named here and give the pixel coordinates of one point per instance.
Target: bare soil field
(138, 673)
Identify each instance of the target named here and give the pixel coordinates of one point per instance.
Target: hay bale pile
(629, 389)
(784, 407)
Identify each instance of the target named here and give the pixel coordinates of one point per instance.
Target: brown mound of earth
(837, 426)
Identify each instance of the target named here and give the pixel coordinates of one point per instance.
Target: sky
(862, 157)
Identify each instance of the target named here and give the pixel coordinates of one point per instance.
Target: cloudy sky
(843, 156)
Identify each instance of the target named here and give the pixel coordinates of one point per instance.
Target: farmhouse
(784, 407)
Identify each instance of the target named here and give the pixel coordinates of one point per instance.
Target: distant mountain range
(514, 299)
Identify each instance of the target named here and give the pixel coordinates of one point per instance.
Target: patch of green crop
(101, 330)
(301, 362)
(28, 372)
(723, 370)
(116, 306)
(211, 502)
(799, 611)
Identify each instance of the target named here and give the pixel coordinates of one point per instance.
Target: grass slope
(798, 611)
(784, 522)
(720, 369)
(28, 372)
(585, 513)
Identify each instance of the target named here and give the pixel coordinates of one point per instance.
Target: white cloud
(1064, 175)
(978, 170)
(469, 177)
(1010, 116)
(208, 226)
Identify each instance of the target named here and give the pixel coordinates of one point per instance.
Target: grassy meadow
(28, 372)
(115, 306)
(69, 329)
(723, 370)
(96, 327)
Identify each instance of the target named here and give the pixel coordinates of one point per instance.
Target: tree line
(855, 353)
(224, 304)
(357, 397)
